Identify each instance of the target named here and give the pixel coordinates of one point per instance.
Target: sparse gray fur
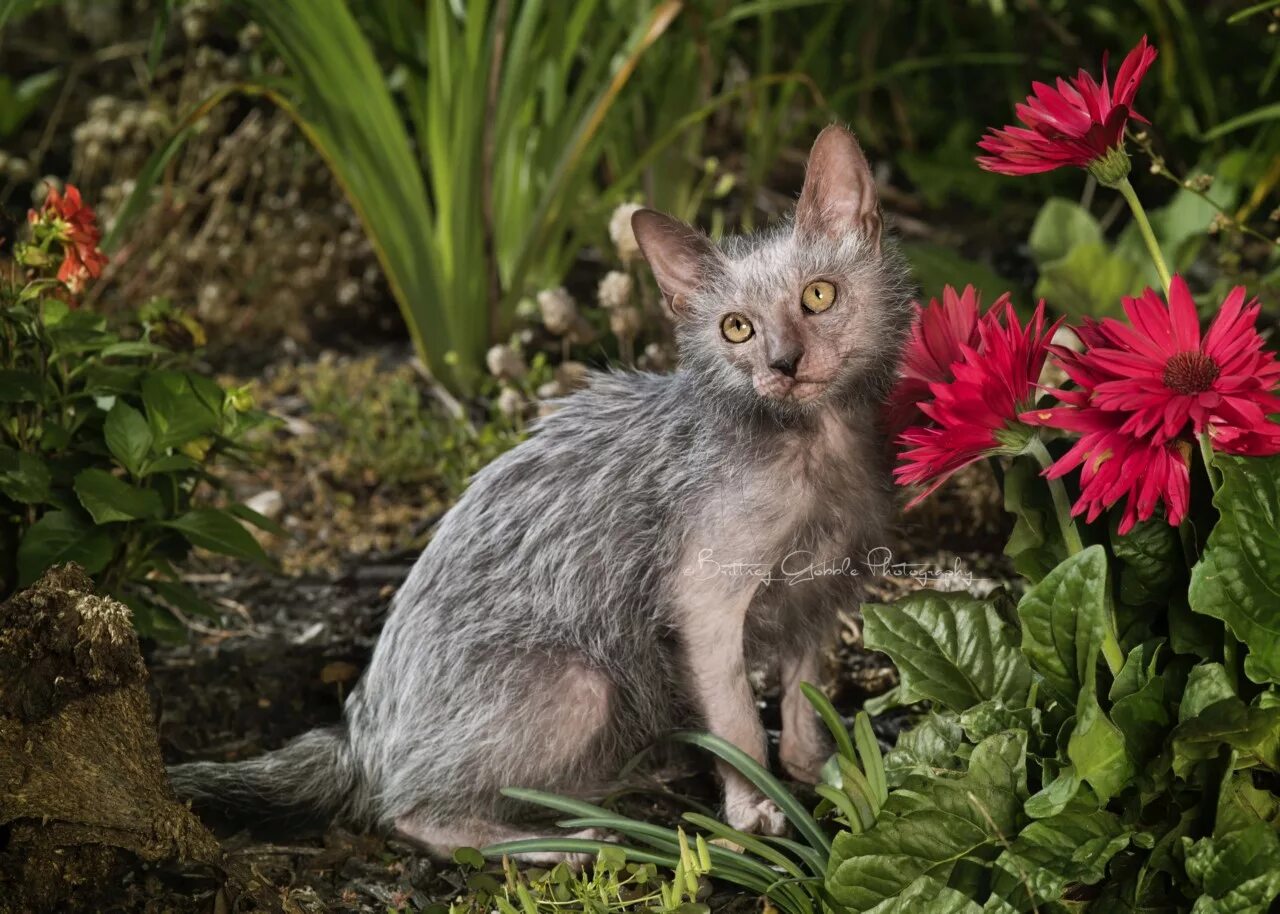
(542, 638)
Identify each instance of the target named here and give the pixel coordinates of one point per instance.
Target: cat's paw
(754, 814)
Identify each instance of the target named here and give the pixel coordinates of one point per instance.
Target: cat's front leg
(711, 628)
(803, 746)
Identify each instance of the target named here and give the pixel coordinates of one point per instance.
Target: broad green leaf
(1207, 684)
(1242, 805)
(128, 436)
(1061, 225)
(1035, 543)
(1238, 578)
(952, 649)
(929, 746)
(1150, 561)
(1072, 847)
(1097, 747)
(219, 532)
(177, 409)
(1089, 281)
(955, 819)
(992, 717)
(108, 499)
(1238, 873)
(1055, 796)
(927, 896)
(60, 537)
(24, 477)
(1064, 620)
(1253, 732)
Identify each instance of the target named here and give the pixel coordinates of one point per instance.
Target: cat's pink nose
(787, 362)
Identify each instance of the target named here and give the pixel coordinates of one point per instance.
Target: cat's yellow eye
(736, 328)
(818, 296)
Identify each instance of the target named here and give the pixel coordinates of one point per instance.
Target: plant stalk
(1144, 227)
(1061, 504)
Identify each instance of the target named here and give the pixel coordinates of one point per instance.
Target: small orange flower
(76, 226)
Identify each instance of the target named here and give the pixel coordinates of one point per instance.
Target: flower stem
(1061, 504)
(1144, 227)
(1206, 454)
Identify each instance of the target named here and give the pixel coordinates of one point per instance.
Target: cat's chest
(814, 490)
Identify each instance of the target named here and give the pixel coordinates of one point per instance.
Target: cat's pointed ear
(679, 255)
(839, 193)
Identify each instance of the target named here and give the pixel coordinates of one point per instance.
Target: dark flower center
(1190, 373)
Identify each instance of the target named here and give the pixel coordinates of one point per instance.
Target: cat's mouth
(793, 390)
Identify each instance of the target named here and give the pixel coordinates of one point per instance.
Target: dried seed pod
(624, 239)
(558, 309)
(505, 363)
(615, 289)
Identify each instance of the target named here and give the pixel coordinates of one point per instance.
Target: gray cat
(615, 576)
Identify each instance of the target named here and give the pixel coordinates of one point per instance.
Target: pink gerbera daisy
(976, 414)
(1079, 124)
(1170, 382)
(1117, 465)
(939, 332)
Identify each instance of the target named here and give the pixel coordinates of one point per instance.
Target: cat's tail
(312, 778)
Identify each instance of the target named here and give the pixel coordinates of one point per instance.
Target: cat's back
(581, 514)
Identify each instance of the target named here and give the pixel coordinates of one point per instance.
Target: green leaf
(1060, 226)
(24, 477)
(1097, 747)
(60, 537)
(1237, 579)
(927, 896)
(108, 499)
(1238, 873)
(1144, 718)
(1070, 848)
(1064, 620)
(927, 747)
(952, 649)
(1089, 281)
(1253, 732)
(128, 436)
(958, 819)
(218, 531)
(1207, 684)
(1035, 543)
(1151, 561)
(177, 408)
(1055, 796)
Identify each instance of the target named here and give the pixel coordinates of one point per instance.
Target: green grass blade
(769, 785)
(871, 757)
(572, 846)
(733, 866)
(831, 717)
(750, 843)
(343, 103)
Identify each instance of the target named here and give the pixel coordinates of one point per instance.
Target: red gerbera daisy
(976, 414)
(1169, 382)
(1115, 464)
(939, 331)
(1078, 124)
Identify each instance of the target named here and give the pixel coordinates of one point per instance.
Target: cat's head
(813, 310)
